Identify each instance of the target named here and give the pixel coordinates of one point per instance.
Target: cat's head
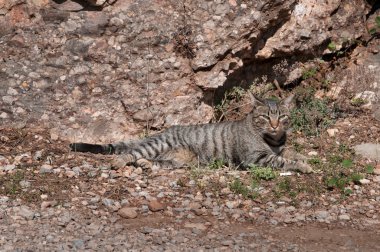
(272, 117)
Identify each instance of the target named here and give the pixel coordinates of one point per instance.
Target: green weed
(356, 177)
(12, 184)
(315, 161)
(347, 163)
(369, 169)
(216, 164)
(331, 46)
(262, 173)
(311, 117)
(238, 187)
(357, 102)
(309, 73)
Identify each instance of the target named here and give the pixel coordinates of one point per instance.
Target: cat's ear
(288, 101)
(256, 101)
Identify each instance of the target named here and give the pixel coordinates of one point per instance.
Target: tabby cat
(258, 139)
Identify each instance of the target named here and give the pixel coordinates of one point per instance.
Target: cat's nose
(274, 124)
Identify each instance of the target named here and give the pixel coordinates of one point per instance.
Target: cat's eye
(265, 117)
(282, 117)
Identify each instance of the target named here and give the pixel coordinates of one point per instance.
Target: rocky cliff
(109, 70)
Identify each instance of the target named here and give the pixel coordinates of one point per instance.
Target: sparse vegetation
(231, 97)
(369, 169)
(357, 102)
(342, 180)
(347, 163)
(311, 117)
(309, 73)
(331, 46)
(12, 185)
(262, 173)
(238, 187)
(216, 164)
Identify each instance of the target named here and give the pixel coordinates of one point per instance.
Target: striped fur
(258, 139)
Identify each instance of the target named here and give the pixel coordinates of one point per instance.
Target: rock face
(108, 70)
(368, 150)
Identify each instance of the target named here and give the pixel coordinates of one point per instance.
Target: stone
(312, 153)
(47, 204)
(376, 171)
(7, 167)
(26, 212)
(70, 174)
(68, 5)
(155, 206)
(128, 212)
(227, 243)
(364, 181)
(332, 132)
(24, 184)
(199, 226)
(45, 168)
(322, 215)
(368, 150)
(344, 217)
(376, 179)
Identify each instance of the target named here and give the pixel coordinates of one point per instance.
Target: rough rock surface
(110, 73)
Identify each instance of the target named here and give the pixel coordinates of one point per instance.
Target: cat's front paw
(299, 166)
(145, 164)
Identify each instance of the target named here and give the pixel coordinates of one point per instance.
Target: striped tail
(93, 148)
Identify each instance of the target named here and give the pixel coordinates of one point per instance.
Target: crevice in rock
(86, 5)
(253, 69)
(375, 6)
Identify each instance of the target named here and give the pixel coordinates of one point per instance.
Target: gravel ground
(52, 200)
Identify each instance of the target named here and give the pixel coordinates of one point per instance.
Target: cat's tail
(93, 148)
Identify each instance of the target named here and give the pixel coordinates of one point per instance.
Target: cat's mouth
(275, 134)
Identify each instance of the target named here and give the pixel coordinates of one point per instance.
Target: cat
(259, 139)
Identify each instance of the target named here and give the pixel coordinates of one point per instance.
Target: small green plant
(285, 185)
(216, 164)
(356, 177)
(262, 173)
(315, 161)
(357, 102)
(12, 184)
(236, 93)
(331, 46)
(339, 182)
(238, 187)
(347, 192)
(335, 159)
(347, 163)
(372, 31)
(326, 83)
(369, 169)
(377, 20)
(343, 148)
(309, 73)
